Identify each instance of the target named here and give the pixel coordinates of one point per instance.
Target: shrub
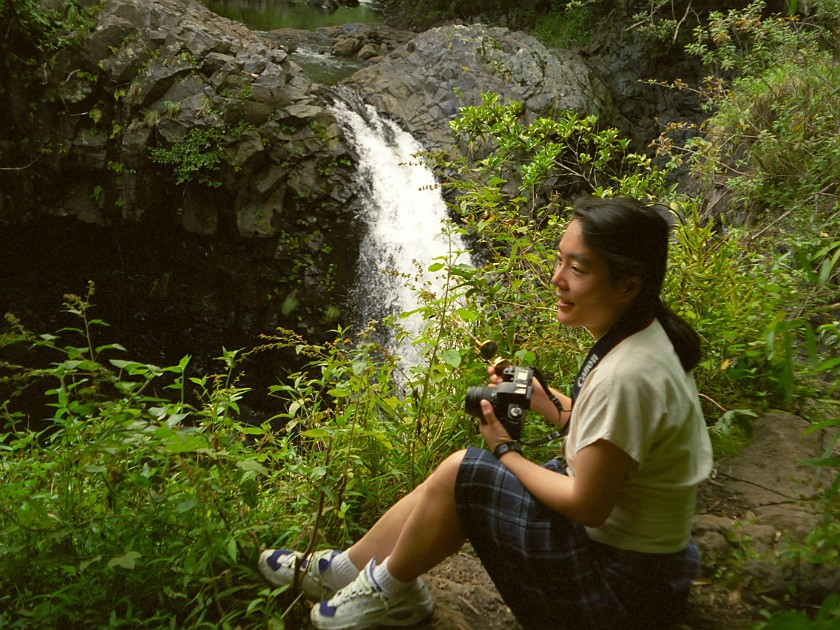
(198, 158)
(144, 499)
(513, 203)
(773, 138)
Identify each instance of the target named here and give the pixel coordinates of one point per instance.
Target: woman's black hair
(633, 240)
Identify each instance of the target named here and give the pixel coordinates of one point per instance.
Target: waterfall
(405, 216)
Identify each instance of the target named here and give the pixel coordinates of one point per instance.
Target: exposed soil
(755, 506)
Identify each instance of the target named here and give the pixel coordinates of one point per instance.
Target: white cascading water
(405, 216)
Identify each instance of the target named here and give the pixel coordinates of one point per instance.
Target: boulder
(425, 82)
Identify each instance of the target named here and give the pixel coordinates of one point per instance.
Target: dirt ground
(754, 505)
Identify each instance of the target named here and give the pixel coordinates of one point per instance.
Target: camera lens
(472, 402)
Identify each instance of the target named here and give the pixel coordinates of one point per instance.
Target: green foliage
(31, 27)
(774, 136)
(517, 15)
(730, 290)
(659, 20)
(773, 143)
(127, 506)
(826, 618)
(199, 158)
(571, 26)
(533, 164)
(142, 499)
(511, 199)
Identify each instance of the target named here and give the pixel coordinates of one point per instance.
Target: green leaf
(318, 471)
(466, 314)
(252, 464)
(86, 563)
(316, 433)
(360, 366)
(110, 346)
(186, 505)
(125, 561)
(451, 357)
(253, 604)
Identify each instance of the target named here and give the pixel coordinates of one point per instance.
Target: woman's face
(587, 294)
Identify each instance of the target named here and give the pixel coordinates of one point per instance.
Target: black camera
(510, 399)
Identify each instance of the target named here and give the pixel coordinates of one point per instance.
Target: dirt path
(753, 507)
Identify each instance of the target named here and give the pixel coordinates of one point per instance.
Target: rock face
(766, 502)
(168, 115)
(427, 80)
(166, 105)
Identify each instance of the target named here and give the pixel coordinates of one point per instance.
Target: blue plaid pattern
(548, 570)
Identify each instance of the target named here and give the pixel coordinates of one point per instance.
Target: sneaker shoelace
(357, 588)
(306, 564)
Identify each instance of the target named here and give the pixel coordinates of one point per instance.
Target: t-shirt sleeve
(616, 407)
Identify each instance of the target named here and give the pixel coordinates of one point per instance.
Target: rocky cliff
(255, 139)
(166, 106)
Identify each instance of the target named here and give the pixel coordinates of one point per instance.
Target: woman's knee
(446, 473)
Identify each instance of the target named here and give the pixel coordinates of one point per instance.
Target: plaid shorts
(548, 570)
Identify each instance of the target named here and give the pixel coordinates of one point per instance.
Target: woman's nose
(557, 275)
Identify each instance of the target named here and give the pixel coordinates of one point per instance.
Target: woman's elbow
(590, 520)
(591, 515)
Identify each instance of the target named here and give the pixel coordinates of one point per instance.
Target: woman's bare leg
(420, 530)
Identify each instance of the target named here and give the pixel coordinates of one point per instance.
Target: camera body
(510, 399)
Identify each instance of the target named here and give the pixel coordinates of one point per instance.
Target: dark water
(163, 293)
(267, 15)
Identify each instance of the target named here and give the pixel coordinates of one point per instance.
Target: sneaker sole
(394, 618)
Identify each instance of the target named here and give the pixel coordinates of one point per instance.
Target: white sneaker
(362, 604)
(278, 567)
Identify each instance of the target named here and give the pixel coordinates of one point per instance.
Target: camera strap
(629, 324)
(554, 434)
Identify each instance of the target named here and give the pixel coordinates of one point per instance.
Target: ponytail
(683, 337)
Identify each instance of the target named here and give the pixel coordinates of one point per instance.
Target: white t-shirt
(640, 399)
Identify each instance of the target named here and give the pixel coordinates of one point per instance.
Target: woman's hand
(540, 402)
(492, 430)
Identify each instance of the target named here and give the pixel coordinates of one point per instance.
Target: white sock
(387, 582)
(341, 571)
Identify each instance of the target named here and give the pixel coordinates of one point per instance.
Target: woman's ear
(630, 288)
